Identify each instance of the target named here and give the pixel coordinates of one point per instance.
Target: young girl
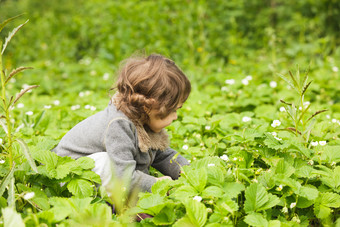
(128, 136)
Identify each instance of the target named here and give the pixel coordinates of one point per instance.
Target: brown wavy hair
(150, 83)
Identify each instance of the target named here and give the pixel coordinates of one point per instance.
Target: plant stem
(7, 110)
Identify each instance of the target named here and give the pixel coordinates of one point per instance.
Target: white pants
(103, 167)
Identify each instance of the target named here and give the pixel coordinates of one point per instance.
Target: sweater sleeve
(167, 167)
(119, 141)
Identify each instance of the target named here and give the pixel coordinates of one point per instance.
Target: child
(129, 134)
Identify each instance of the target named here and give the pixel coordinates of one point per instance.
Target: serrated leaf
(285, 168)
(196, 211)
(6, 180)
(233, 189)
(153, 203)
(227, 205)
(12, 218)
(212, 191)
(85, 162)
(330, 199)
(255, 219)
(40, 198)
(273, 143)
(26, 152)
(197, 178)
(184, 192)
(273, 200)
(166, 216)
(308, 193)
(256, 196)
(80, 188)
(10, 36)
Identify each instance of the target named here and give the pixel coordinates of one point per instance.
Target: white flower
(81, 94)
(75, 107)
(1, 141)
(29, 113)
(224, 88)
(328, 117)
(314, 143)
(93, 108)
(56, 102)
(2, 161)
(93, 73)
(279, 188)
(211, 164)
(47, 106)
(20, 105)
(335, 69)
(276, 123)
(106, 76)
(235, 159)
(29, 195)
(246, 119)
(282, 109)
(87, 93)
(245, 82)
(87, 107)
(207, 127)
(285, 210)
(322, 143)
(292, 205)
(333, 120)
(311, 162)
(273, 84)
(249, 77)
(306, 104)
(224, 157)
(185, 147)
(274, 133)
(230, 82)
(197, 198)
(277, 138)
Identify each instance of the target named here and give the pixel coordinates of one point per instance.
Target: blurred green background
(75, 47)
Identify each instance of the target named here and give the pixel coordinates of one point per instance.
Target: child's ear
(147, 110)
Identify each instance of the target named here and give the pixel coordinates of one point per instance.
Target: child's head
(152, 84)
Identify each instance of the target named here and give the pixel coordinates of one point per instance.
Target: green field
(261, 127)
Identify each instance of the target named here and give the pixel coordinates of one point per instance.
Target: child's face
(156, 124)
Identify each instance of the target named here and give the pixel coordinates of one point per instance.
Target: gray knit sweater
(130, 147)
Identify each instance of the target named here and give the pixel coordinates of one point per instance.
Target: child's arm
(163, 162)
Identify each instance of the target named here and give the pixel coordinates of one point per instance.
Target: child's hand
(163, 178)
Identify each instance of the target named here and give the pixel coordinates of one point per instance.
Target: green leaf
(153, 203)
(40, 198)
(12, 218)
(212, 191)
(308, 192)
(6, 180)
(3, 24)
(256, 196)
(85, 162)
(184, 192)
(283, 167)
(197, 178)
(255, 219)
(166, 216)
(26, 152)
(196, 211)
(273, 143)
(330, 199)
(233, 189)
(10, 36)
(273, 200)
(80, 188)
(184, 222)
(226, 205)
